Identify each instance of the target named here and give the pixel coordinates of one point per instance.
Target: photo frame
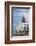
(19, 22)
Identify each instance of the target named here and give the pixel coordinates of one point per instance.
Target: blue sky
(17, 16)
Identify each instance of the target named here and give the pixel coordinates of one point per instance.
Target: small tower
(23, 19)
